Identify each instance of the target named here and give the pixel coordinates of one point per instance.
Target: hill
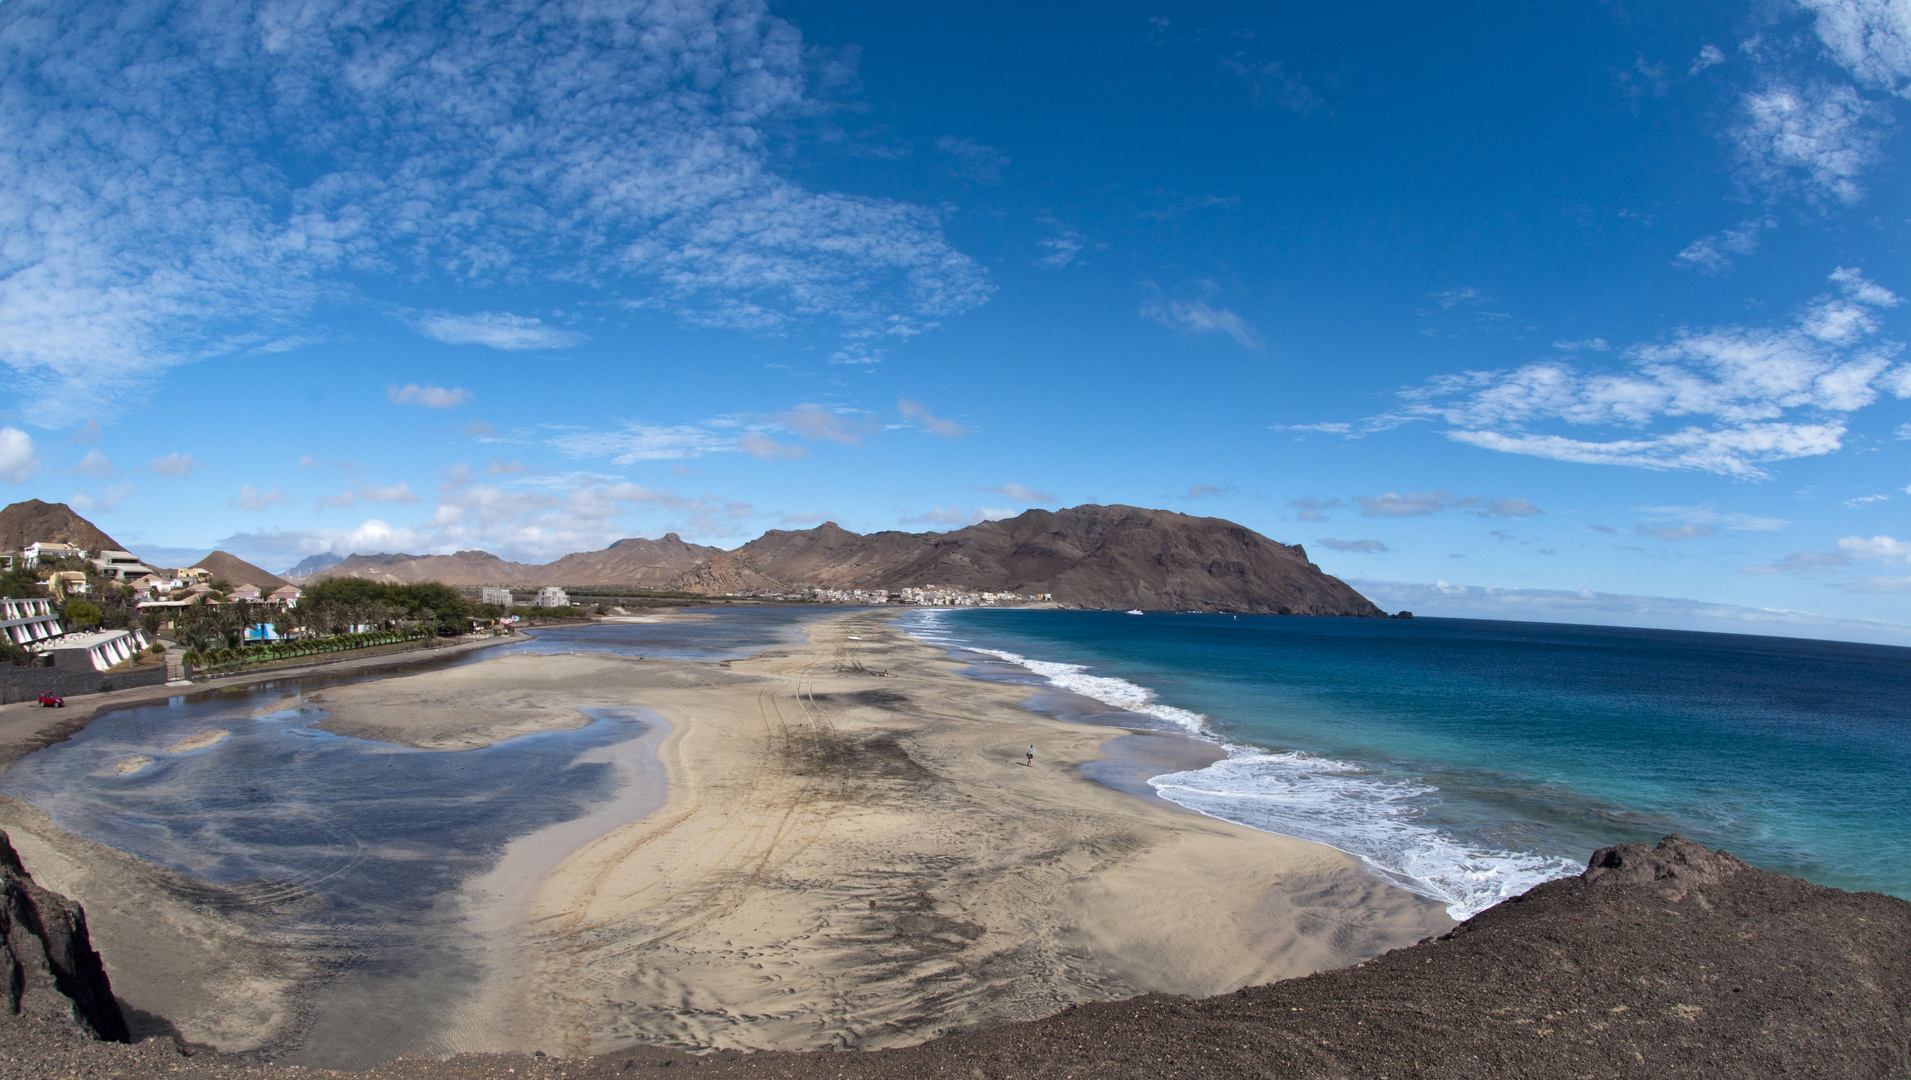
(1109, 557)
(628, 562)
(236, 571)
(312, 564)
(463, 568)
(34, 521)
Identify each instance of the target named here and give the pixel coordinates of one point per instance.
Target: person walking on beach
(1031, 757)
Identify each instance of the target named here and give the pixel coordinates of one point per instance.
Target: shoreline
(843, 859)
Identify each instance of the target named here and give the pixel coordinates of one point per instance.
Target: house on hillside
(33, 553)
(65, 583)
(120, 565)
(193, 574)
(286, 596)
(552, 596)
(246, 592)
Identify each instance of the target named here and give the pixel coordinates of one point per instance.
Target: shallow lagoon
(370, 849)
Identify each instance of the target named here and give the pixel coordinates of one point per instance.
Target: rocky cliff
(47, 964)
(1112, 557)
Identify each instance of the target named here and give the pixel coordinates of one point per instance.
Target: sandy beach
(841, 858)
(847, 858)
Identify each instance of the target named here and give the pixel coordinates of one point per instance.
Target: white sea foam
(1373, 817)
(1364, 814)
(1074, 678)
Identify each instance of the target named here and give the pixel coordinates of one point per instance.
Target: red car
(52, 701)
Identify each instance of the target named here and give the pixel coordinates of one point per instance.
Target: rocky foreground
(1669, 962)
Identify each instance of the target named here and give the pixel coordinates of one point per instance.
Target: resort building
(27, 621)
(489, 595)
(96, 650)
(286, 596)
(245, 592)
(552, 596)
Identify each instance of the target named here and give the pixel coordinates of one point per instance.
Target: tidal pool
(365, 847)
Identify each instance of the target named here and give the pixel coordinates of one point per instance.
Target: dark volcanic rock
(1109, 557)
(1672, 961)
(49, 966)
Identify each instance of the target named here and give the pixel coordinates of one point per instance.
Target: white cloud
(1620, 609)
(1199, 317)
(156, 213)
(175, 465)
(1357, 547)
(497, 329)
(251, 498)
(1312, 509)
(396, 493)
(1876, 547)
(1750, 383)
(768, 449)
(1416, 504)
(1268, 82)
(1063, 248)
(95, 464)
(1710, 515)
(1871, 38)
(1481, 506)
(1803, 562)
(1597, 344)
(1714, 254)
(1021, 494)
(917, 411)
(1205, 491)
(955, 516)
(1818, 139)
(980, 163)
(648, 442)
(1675, 532)
(813, 421)
(431, 397)
(1709, 55)
(105, 502)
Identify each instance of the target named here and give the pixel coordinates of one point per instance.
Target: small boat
(1134, 611)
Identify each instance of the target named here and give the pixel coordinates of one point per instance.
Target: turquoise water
(1469, 760)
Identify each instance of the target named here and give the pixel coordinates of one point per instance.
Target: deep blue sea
(1469, 760)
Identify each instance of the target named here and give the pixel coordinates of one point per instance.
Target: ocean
(1469, 760)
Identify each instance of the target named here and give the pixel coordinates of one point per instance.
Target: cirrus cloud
(287, 155)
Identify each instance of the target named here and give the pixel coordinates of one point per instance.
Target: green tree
(80, 613)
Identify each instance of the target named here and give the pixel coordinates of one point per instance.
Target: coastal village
(81, 619)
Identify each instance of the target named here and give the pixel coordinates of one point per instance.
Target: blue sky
(1588, 311)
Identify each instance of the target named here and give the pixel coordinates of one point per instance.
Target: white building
(27, 621)
(552, 596)
(98, 650)
(489, 595)
(33, 553)
(121, 565)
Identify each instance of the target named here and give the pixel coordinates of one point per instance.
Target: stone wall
(28, 683)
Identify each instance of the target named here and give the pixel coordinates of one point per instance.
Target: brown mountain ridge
(1108, 557)
(33, 522)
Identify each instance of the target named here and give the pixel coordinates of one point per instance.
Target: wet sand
(847, 859)
(840, 859)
